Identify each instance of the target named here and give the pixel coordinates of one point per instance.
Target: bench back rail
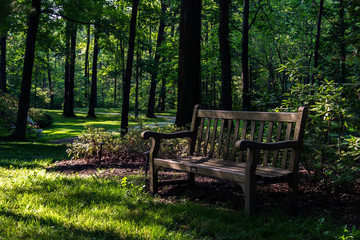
(217, 132)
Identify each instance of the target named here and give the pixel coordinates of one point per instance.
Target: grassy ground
(72, 127)
(38, 204)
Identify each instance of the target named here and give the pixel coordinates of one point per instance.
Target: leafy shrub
(330, 150)
(8, 111)
(43, 119)
(88, 144)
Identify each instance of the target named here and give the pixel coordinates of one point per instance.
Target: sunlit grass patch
(30, 154)
(35, 204)
(64, 127)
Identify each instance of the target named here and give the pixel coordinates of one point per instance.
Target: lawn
(73, 127)
(36, 203)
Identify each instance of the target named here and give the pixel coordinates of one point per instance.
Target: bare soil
(343, 205)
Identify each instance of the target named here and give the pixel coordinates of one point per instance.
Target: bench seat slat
(212, 165)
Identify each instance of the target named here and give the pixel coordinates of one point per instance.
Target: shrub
(88, 144)
(43, 119)
(8, 111)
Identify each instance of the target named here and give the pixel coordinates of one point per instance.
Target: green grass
(65, 127)
(30, 154)
(36, 203)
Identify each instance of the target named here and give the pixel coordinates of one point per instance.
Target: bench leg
(293, 194)
(191, 179)
(154, 180)
(250, 199)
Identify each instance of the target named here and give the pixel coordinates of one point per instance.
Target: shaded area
(314, 199)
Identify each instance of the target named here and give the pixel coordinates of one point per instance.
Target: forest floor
(314, 199)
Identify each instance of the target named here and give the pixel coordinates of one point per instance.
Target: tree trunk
(24, 100)
(70, 69)
(86, 72)
(246, 103)
(50, 82)
(189, 77)
(151, 106)
(342, 42)
(225, 57)
(317, 39)
(137, 85)
(93, 92)
(3, 63)
(67, 68)
(129, 65)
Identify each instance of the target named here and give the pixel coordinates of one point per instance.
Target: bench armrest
(244, 144)
(156, 135)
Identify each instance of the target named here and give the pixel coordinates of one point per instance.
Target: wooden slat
(206, 142)
(243, 136)
(250, 116)
(210, 166)
(278, 135)
(200, 134)
(252, 131)
(268, 139)
(285, 152)
(261, 131)
(213, 137)
(220, 139)
(236, 134)
(227, 139)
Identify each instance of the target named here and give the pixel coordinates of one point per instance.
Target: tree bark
(3, 63)
(246, 103)
(70, 69)
(86, 72)
(50, 82)
(24, 99)
(151, 106)
(225, 57)
(317, 39)
(129, 65)
(93, 92)
(342, 42)
(189, 77)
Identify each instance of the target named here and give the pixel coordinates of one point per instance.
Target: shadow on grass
(30, 154)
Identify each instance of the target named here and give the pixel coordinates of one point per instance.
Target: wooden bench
(246, 147)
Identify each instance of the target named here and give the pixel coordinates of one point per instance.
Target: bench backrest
(218, 130)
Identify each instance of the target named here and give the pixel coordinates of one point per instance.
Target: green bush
(8, 111)
(113, 146)
(43, 119)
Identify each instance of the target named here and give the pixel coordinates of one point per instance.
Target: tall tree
(128, 73)
(317, 39)
(3, 63)
(189, 76)
(93, 92)
(24, 100)
(160, 37)
(86, 72)
(225, 57)
(342, 28)
(71, 30)
(50, 81)
(246, 104)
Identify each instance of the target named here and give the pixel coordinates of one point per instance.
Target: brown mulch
(314, 199)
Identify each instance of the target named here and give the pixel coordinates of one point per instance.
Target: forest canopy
(252, 53)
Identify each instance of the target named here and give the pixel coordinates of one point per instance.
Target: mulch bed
(314, 198)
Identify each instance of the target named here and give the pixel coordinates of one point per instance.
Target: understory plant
(331, 141)
(112, 145)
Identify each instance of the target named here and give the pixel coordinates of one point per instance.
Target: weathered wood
(268, 139)
(219, 145)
